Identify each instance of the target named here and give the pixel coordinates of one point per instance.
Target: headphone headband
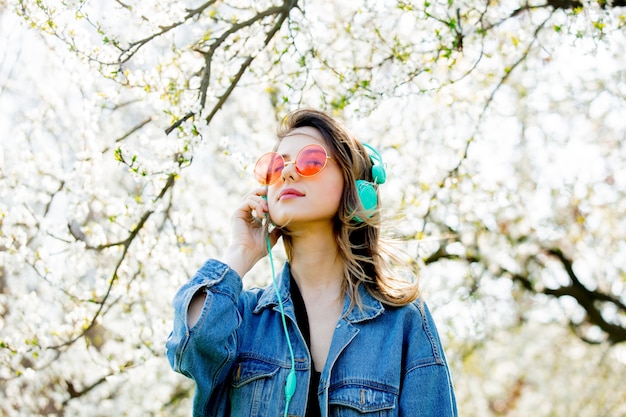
(378, 168)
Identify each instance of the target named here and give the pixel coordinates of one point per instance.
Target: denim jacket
(383, 361)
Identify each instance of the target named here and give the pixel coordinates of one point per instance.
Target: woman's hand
(248, 233)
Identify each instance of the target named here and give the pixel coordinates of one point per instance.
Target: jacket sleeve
(428, 391)
(427, 388)
(205, 353)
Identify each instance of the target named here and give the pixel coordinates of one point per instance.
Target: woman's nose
(289, 171)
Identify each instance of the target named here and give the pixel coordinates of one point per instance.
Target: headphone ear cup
(379, 174)
(367, 197)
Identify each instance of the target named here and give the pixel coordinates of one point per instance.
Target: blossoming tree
(128, 133)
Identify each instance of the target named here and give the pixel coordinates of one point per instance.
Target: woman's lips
(289, 193)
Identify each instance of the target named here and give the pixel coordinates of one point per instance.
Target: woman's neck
(316, 265)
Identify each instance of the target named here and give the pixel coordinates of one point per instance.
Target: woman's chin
(279, 220)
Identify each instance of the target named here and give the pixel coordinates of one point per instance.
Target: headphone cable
(290, 383)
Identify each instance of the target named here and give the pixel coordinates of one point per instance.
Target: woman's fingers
(254, 205)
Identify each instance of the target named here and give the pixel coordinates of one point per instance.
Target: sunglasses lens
(268, 168)
(311, 160)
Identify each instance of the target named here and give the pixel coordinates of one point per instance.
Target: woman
(335, 335)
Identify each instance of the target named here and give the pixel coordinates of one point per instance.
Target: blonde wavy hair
(359, 243)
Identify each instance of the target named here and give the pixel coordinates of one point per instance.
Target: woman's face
(296, 201)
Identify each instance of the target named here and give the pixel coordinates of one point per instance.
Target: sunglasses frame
(293, 161)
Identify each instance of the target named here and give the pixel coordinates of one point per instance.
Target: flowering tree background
(128, 130)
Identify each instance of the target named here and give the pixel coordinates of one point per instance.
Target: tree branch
(126, 243)
(282, 11)
(133, 47)
(590, 300)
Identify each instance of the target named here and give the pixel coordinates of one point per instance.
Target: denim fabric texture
(383, 361)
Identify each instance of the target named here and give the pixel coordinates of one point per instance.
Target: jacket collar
(371, 307)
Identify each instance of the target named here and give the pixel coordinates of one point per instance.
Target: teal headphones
(366, 190)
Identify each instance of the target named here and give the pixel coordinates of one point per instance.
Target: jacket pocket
(255, 389)
(362, 398)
